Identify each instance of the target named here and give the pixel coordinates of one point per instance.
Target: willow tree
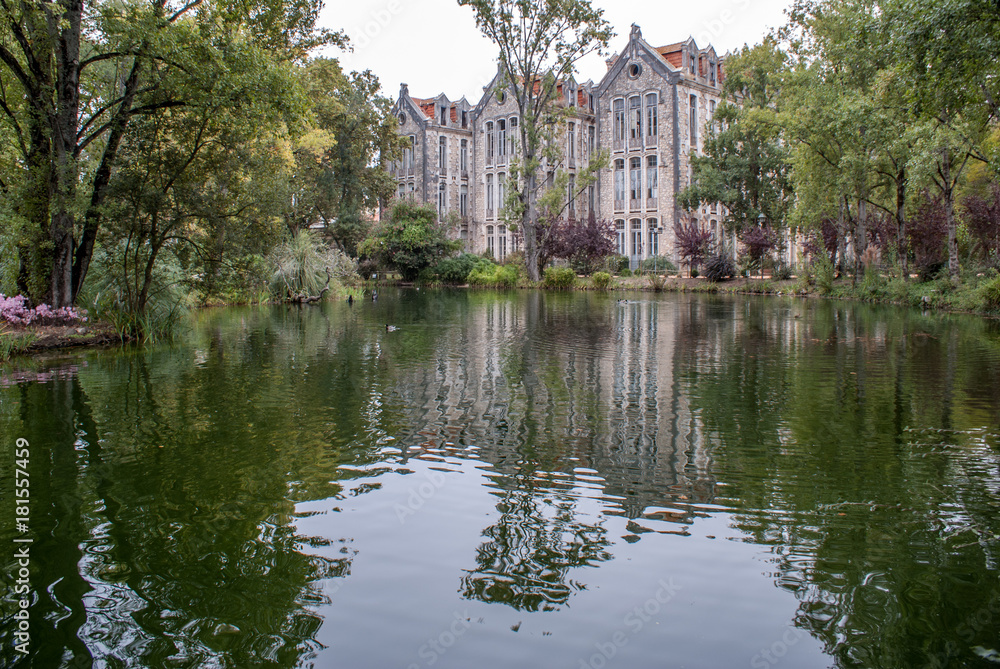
(539, 43)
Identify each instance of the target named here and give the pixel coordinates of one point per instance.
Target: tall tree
(539, 45)
(746, 164)
(84, 71)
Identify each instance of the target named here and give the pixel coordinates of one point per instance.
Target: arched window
(652, 122)
(634, 122)
(620, 237)
(652, 182)
(635, 227)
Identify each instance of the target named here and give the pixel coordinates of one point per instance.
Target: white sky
(434, 45)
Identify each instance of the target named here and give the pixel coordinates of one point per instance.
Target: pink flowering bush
(14, 310)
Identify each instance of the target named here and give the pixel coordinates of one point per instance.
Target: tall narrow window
(652, 122)
(620, 237)
(591, 140)
(619, 126)
(491, 243)
(652, 181)
(408, 152)
(571, 132)
(635, 226)
(711, 114)
(465, 119)
(463, 157)
(501, 242)
(635, 181)
(572, 193)
(442, 201)
(442, 153)
(693, 122)
(463, 201)
(444, 116)
(619, 184)
(634, 121)
(692, 60)
(654, 237)
(512, 134)
(711, 72)
(489, 196)
(502, 139)
(490, 139)
(590, 199)
(501, 195)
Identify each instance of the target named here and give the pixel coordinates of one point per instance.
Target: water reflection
(201, 504)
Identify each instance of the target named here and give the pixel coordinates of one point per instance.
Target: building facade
(650, 112)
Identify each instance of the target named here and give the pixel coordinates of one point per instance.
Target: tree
(539, 45)
(338, 170)
(693, 243)
(583, 243)
(409, 239)
(745, 165)
(76, 74)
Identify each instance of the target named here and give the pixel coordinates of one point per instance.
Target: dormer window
(692, 61)
(711, 72)
(444, 116)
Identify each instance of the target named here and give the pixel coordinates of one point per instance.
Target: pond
(513, 480)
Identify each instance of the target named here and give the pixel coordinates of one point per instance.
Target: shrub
(15, 310)
(781, 272)
(456, 270)
(601, 280)
(719, 267)
(656, 282)
(300, 265)
(617, 264)
(989, 293)
(824, 275)
(658, 264)
(494, 276)
(558, 277)
(625, 273)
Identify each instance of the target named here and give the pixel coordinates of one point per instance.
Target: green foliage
(302, 265)
(824, 274)
(456, 270)
(781, 272)
(617, 264)
(745, 165)
(558, 277)
(409, 239)
(501, 277)
(989, 293)
(14, 343)
(656, 282)
(600, 280)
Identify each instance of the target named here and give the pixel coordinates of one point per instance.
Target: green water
(514, 480)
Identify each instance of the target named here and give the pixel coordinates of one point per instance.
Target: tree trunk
(949, 211)
(64, 142)
(901, 222)
(529, 225)
(860, 237)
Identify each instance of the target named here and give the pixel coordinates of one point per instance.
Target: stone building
(650, 112)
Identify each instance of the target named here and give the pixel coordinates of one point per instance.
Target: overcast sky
(434, 45)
